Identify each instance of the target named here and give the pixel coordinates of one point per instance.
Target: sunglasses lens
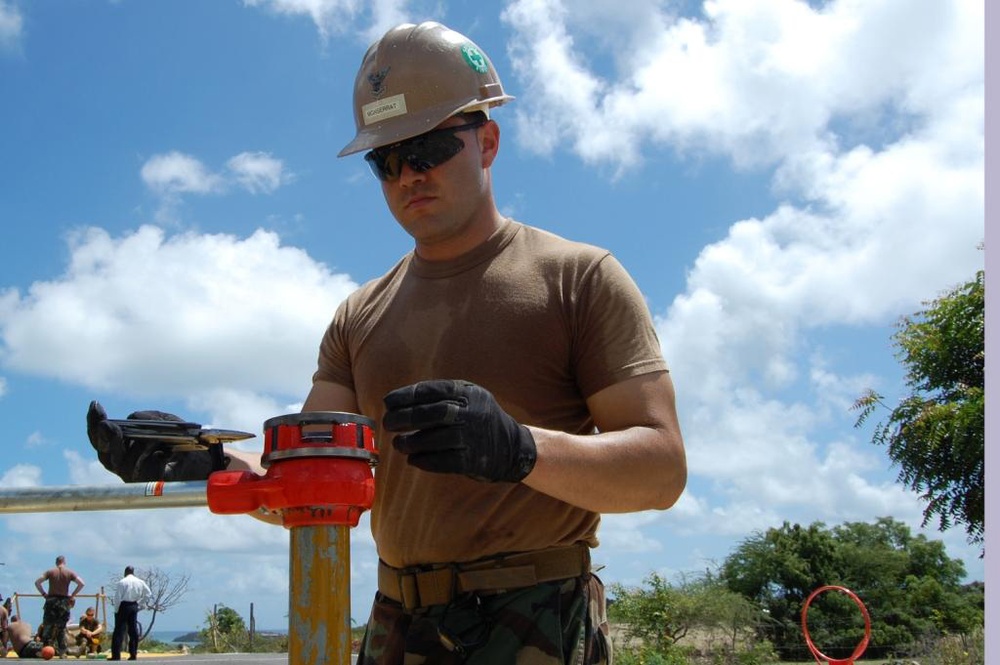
(421, 153)
(386, 165)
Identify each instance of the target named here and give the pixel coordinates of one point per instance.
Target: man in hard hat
(516, 379)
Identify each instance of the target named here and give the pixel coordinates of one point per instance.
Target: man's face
(437, 205)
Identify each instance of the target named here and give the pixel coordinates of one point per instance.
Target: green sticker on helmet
(475, 58)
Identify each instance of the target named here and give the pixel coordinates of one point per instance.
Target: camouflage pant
(32, 649)
(555, 623)
(55, 616)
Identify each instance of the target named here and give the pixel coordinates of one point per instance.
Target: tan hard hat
(413, 79)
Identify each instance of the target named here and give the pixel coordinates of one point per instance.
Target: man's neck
(478, 232)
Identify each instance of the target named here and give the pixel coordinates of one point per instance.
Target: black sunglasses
(421, 153)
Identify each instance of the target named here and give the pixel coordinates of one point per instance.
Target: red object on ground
(858, 650)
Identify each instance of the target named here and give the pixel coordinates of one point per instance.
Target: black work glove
(460, 428)
(142, 460)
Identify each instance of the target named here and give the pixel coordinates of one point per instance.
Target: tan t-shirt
(539, 321)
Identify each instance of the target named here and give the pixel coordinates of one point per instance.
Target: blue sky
(783, 179)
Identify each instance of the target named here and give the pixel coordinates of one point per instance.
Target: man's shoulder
(380, 283)
(543, 240)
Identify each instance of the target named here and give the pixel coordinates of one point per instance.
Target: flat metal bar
(126, 496)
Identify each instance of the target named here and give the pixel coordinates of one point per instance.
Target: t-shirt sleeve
(334, 362)
(614, 337)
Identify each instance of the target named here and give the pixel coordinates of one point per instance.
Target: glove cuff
(527, 454)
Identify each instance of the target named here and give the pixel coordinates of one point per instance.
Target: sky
(783, 179)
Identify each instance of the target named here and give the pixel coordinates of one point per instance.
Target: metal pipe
(319, 599)
(126, 496)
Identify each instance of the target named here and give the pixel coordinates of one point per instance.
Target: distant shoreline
(192, 637)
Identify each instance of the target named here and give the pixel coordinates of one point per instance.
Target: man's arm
(240, 460)
(636, 461)
(38, 585)
(329, 396)
(79, 585)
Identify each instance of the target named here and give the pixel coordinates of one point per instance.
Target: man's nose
(409, 175)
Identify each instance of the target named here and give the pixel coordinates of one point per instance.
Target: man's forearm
(640, 468)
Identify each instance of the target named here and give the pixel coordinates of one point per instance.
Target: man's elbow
(671, 490)
(673, 478)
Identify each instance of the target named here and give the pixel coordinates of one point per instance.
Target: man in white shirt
(131, 593)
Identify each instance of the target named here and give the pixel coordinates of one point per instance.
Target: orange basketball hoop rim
(858, 650)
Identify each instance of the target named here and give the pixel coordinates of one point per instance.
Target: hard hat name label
(381, 109)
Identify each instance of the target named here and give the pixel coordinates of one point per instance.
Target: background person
(90, 632)
(4, 635)
(131, 593)
(58, 603)
(521, 371)
(24, 642)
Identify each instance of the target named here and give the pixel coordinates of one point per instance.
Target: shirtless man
(23, 639)
(4, 623)
(58, 602)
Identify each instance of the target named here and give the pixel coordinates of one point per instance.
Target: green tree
(911, 588)
(777, 570)
(225, 630)
(936, 434)
(661, 617)
(658, 615)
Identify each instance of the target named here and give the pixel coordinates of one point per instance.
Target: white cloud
(174, 174)
(21, 475)
(333, 17)
(258, 172)
(328, 15)
(870, 115)
(177, 173)
(11, 25)
(35, 440)
(755, 80)
(213, 319)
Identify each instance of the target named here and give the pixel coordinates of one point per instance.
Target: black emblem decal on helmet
(377, 81)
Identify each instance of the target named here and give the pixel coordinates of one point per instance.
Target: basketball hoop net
(858, 650)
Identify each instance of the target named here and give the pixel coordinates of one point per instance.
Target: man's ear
(489, 143)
